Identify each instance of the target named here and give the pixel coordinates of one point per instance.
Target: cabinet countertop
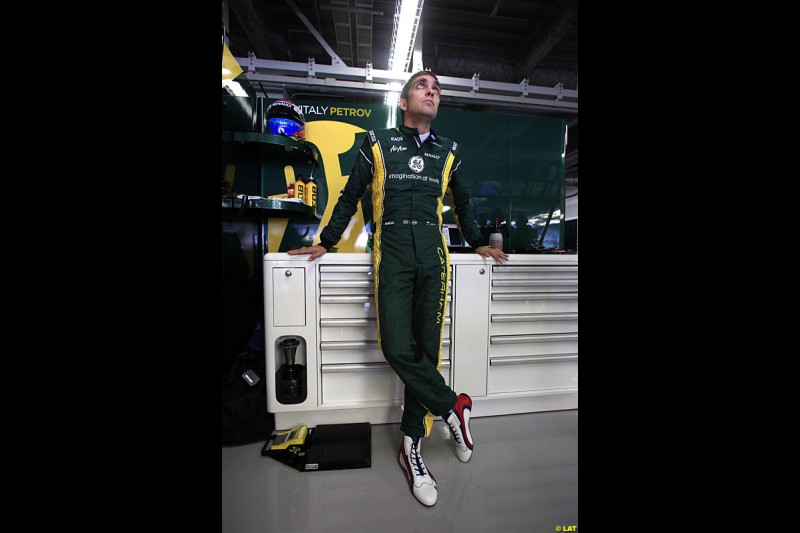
(455, 259)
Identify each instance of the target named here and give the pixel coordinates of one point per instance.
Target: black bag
(245, 417)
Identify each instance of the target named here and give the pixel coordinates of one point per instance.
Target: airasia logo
(416, 164)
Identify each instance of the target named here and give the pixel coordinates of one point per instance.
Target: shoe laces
(455, 426)
(416, 460)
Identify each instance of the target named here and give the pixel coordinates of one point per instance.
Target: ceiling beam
(549, 31)
(363, 11)
(254, 27)
(335, 59)
(456, 90)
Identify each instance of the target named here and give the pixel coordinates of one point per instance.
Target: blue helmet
(283, 117)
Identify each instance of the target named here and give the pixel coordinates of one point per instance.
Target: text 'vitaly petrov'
(335, 111)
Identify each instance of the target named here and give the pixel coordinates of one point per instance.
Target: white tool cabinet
(510, 339)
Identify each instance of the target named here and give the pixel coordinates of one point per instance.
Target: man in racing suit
(410, 168)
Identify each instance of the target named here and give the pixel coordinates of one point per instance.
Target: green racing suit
(411, 263)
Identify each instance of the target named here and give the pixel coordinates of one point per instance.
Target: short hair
(407, 87)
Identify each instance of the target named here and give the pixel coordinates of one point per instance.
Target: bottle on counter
(290, 190)
(311, 192)
(496, 238)
(300, 188)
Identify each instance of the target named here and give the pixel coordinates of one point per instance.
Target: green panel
(515, 170)
(538, 179)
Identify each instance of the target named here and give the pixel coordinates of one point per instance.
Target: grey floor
(523, 477)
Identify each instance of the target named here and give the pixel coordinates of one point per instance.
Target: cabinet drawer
(531, 272)
(347, 306)
(534, 285)
(358, 329)
(519, 374)
(361, 287)
(348, 329)
(524, 345)
(354, 306)
(532, 303)
(371, 382)
(360, 383)
(344, 352)
(345, 272)
(330, 274)
(532, 323)
(350, 352)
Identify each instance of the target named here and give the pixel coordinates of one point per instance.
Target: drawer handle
(288, 273)
(531, 359)
(520, 339)
(358, 345)
(367, 298)
(346, 269)
(534, 296)
(563, 267)
(533, 282)
(533, 317)
(346, 322)
(356, 299)
(354, 367)
(345, 284)
(357, 322)
(348, 345)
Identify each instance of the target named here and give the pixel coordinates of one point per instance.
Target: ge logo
(416, 163)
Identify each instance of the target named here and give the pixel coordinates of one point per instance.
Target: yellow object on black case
(284, 439)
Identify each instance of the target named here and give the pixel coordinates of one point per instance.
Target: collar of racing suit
(405, 130)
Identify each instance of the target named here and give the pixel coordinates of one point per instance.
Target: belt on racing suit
(411, 222)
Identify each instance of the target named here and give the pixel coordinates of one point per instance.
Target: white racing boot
(420, 480)
(458, 420)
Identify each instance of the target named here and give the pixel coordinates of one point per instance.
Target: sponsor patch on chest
(416, 163)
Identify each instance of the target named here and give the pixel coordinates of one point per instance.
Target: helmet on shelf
(283, 117)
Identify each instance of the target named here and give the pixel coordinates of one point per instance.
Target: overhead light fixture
(406, 21)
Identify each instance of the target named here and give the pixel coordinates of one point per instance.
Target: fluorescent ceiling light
(406, 21)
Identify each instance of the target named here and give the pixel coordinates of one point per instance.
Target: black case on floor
(328, 447)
